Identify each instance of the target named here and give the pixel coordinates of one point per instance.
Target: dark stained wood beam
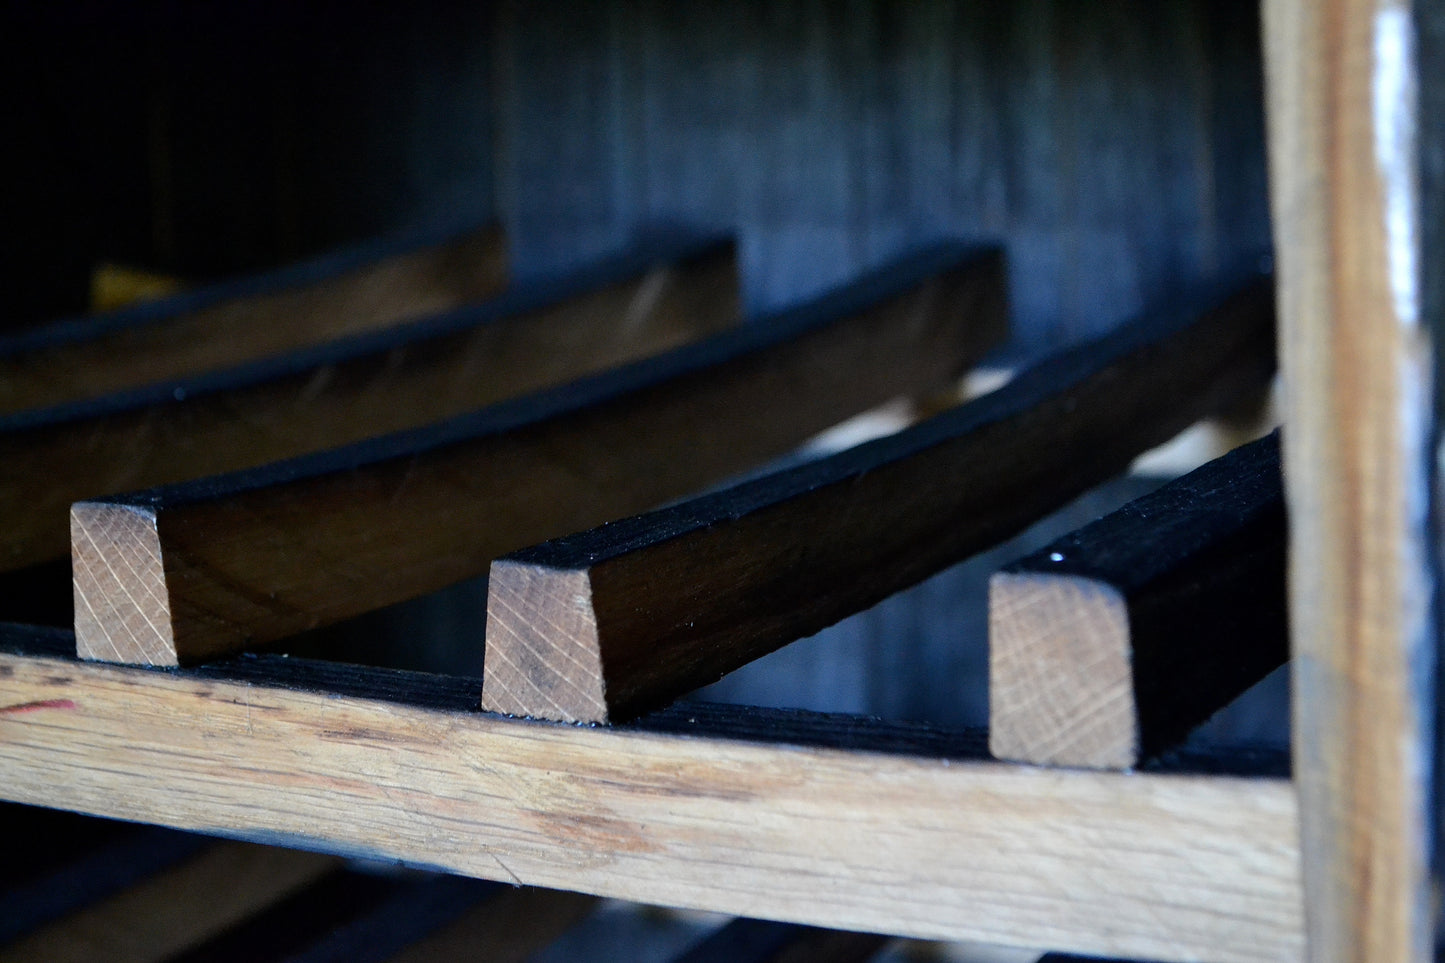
(171, 910)
(764, 941)
(655, 298)
(336, 296)
(603, 625)
(511, 927)
(186, 572)
(1108, 646)
(58, 863)
(348, 914)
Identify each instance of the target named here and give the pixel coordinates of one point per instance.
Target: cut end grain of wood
(532, 608)
(1060, 650)
(117, 557)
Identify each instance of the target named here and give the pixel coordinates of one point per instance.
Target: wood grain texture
(174, 909)
(926, 845)
(661, 295)
(766, 941)
(1357, 361)
(337, 296)
(605, 624)
(1110, 644)
(252, 557)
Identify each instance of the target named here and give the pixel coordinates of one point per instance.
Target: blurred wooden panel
(663, 294)
(338, 296)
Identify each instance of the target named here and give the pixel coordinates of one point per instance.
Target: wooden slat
(656, 298)
(1357, 360)
(767, 941)
(190, 571)
(58, 865)
(600, 626)
(43, 842)
(769, 824)
(336, 296)
(1109, 645)
(163, 914)
(509, 928)
(348, 915)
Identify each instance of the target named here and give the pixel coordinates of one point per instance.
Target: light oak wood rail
(334, 296)
(603, 625)
(183, 573)
(1109, 645)
(736, 811)
(651, 300)
(1354, 95)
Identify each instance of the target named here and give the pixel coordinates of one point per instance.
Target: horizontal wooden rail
(845, 823)
(651, 300)
(331, 297)
(1109, 645)
(603, 625)
(185, 572)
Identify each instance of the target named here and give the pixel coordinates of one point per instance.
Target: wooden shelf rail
(338, 295)
(92, 871)
(603, 625)
(185, 572)
(530, 338)
(828, 821)
(1109, 645)
(1356, 111)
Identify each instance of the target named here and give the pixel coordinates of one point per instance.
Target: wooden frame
(745, 812)
(1359, 294)
(1357, 230)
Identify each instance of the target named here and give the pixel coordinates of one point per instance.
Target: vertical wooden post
(1345, 133)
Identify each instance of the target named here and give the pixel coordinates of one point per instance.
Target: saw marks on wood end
(122, 610)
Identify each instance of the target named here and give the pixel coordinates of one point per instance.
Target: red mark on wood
(32, 706)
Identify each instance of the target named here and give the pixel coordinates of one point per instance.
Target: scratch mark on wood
(35, 706)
